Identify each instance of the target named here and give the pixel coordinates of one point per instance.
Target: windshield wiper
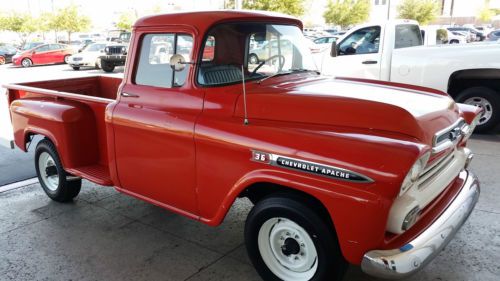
(281, 73)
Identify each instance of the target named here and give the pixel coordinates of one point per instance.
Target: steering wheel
(282, 63)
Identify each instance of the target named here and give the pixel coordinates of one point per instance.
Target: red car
(44, 54)
(340, 170)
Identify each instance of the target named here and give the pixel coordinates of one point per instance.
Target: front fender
(68, 124)
(354, 211)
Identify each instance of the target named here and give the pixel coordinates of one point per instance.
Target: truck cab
(340, 170)
(366, 50)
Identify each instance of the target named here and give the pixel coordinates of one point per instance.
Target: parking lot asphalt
(105, 235)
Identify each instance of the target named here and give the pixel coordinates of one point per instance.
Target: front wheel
(488, 100)
(2, 60)
(107, 67)
(57, 184)
(26, 62)
(287, 240)
(76, 68)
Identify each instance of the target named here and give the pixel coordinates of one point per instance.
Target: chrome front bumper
(399, 263)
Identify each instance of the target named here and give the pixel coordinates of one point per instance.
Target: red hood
(351, 104)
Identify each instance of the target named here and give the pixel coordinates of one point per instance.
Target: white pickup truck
(392, 51)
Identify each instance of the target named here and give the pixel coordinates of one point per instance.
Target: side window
(363, 41)
(209, 49)
(407, 35)
(43, 48)
(54, 47)
(154, 61)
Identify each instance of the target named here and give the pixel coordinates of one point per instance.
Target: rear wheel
(107, 67)
(76, 68)
(26, 62)
(57, 184)
(66, 59)
(287, 240)
(488, 100)
(454, 41)
(2, 60)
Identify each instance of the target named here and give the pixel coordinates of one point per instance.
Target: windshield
(264, 50)
(95, 47)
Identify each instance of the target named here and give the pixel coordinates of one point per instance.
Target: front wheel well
(258, 191)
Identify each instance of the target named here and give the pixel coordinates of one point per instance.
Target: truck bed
(34, 102)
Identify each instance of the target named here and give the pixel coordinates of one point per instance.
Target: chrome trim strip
(312, 168)
(413, 256)
(437, 135)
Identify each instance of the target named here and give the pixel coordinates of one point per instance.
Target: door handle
(127, 95)
(369, 62)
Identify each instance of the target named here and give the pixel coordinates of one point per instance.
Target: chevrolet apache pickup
(339, 170)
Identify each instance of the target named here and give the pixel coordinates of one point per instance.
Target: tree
(125, 21)
(485, 14)
(346, 12)
(290, 7)
(22, 24)
(68, 19)
(422, 11)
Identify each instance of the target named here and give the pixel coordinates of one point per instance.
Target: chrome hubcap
(485, 105)
(48, 171)
(287, 249)
(26, 63)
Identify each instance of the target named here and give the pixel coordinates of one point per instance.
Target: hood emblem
(309, 167)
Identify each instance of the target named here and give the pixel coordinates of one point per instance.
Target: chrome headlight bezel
(414, 173)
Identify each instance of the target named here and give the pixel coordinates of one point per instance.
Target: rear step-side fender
(70, 125)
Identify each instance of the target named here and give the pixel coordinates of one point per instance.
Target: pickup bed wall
(71, 113)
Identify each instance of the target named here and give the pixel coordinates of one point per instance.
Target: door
(56, 54)
(41, 54)
(154, 124)
(359, 55)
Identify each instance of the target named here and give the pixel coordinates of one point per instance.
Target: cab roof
(202, 20)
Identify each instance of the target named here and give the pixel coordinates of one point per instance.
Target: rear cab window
(154, 67)
(407, 35)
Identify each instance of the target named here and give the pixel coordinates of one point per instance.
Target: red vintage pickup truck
(340, 170)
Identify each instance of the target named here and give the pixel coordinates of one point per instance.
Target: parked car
(320, 44)
(392, 51)
(456, 37)
(494, 35)
(268, 49)
(466, 31)
(340, 171)
(89, 56)
(7, 51)
(43, 54)
(433, 35)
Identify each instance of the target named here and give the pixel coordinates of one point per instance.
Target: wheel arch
(468, 78)
(334, 205)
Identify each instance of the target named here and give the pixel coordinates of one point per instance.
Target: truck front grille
(114, 50)
(434, 170)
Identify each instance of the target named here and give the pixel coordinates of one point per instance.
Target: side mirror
(333, 50)
(177, 62)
